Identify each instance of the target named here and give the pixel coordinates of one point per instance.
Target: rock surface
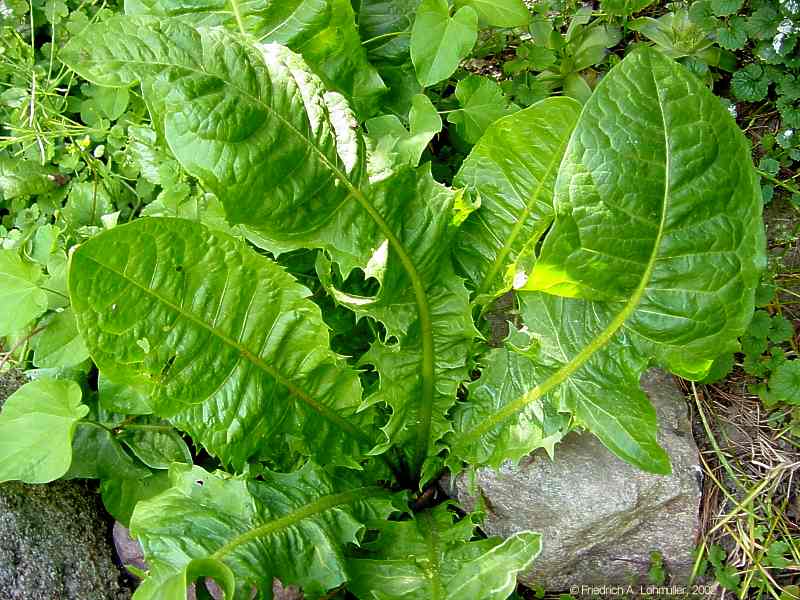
(601, 518)
(55, 539)
(54, 544)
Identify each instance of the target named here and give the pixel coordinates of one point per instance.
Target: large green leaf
(36, 427)
(509, 372)
(313, 192)
(21, 298)
(293, 527)
(658, 228)
(276, 130)
(439, 42)
(432, 558)
(513, 169)
(226, 343)
(323, 31)
(423, 358)
(499, 13)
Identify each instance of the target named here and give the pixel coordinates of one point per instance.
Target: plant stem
(391, 34)
(16, 346)
(778, 182)
(237, 15)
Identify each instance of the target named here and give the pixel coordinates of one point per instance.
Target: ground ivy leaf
(432, 558)
(733, 36)
(499, 13)
(482, 102)
(513, 170)
(762, 23)
(606, 304)
(439, 42)
(784, 383)
(36, 427)
(781, 329)
(750, 84)
(225, 342)
(724, 8)
(290, 526)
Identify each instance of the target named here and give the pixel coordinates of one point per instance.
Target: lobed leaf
(432, 558)
(226, 343)
(290, 526)
(509, 372)
(656, 251)
(423, 358)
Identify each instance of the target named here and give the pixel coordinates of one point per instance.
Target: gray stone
(55, 544)
(55, 539)
(129, 551)
(600, 518)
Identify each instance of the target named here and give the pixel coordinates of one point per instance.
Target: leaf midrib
(317, 507)
(555, 161)
(434, 567)
(254, 359)
(611, 329)
(425, 415)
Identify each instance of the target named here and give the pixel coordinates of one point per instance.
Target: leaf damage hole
(168, 365)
